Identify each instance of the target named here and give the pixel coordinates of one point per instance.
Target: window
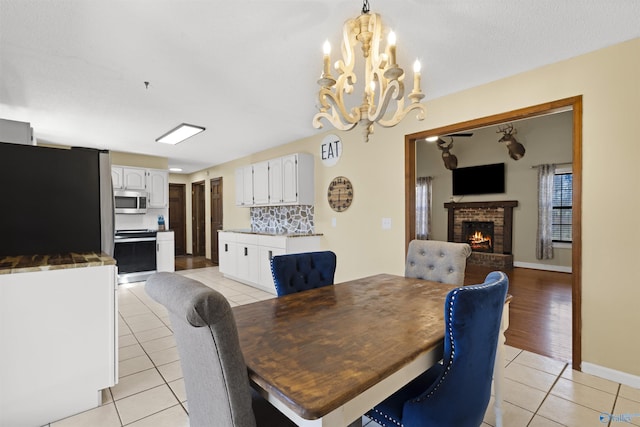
(562, 206)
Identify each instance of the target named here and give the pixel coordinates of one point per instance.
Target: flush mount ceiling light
(383, 79)
(180, 133)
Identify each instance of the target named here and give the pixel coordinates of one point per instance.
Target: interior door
(197, 218)
(216, 217)
(178, 216)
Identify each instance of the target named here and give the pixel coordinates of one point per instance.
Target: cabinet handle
(270, 255)
(157, 247)
(226, 247)
(246, 252)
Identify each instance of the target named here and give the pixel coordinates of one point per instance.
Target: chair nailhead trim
(388, 418)
(451, 338)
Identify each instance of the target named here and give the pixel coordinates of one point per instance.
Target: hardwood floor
(540, 312)
(187, 262)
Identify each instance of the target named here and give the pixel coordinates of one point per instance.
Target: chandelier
(383, 79)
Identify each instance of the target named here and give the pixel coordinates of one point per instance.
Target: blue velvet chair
(303, 271)
(456, 391)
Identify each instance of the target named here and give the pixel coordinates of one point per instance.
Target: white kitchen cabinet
(134, 179)
(286, 180)
(297, 179)
(128, 178)
(247, 256)
(165, 256)
(269, 246)
(275, 181)
(117, 177)
(244, 186)
(261, 183)
(227, 248)
(59, 335)
(158, 188)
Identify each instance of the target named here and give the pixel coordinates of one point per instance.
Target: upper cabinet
(285, 180)
(125, 178)
(261, 183)
(275, 181)
(244, 186)
(158, 188)
(154, 181)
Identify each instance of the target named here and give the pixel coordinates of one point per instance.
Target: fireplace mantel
(501, 212)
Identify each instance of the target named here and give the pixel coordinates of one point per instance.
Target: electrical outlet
(386, 223)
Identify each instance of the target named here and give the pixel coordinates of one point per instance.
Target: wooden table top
(318, 349)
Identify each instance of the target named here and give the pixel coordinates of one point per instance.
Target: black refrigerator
(55, 200)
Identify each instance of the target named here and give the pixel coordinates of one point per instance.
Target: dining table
(326, 356)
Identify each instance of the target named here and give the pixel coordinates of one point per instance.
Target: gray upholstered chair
(443, 262)
(215, 375)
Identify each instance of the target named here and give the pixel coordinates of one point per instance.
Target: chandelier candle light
(383, 80)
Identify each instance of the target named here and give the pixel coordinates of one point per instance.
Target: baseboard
(611, 374)
(547, 267)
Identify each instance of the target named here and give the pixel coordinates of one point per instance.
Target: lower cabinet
(165, 256)
(246, 257)
(59, 335)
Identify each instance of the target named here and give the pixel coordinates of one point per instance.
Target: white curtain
(544, 241)
(423, 207)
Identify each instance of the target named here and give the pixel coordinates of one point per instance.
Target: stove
(135, 253)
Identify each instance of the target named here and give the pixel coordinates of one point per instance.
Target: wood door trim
(575, 103)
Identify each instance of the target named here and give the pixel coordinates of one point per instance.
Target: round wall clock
(340, 194)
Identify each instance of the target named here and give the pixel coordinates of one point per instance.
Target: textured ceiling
(246, 70)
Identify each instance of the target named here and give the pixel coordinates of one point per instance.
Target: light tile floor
(539, 392)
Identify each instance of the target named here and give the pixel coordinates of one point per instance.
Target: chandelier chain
(365, 6)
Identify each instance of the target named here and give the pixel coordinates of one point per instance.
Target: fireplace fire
(479, 235)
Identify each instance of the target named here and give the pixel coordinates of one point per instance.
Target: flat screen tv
(484, 179)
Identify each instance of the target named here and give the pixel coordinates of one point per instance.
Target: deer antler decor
(516, 150)
(450, 160)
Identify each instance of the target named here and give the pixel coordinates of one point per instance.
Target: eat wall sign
(330, 150)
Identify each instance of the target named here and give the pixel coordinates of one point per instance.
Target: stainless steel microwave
(130, 202)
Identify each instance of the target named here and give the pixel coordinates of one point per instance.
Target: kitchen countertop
(31, 263)
(264, 233)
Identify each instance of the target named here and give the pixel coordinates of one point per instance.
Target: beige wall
(547, 139)
(139, 160)
(608, 81)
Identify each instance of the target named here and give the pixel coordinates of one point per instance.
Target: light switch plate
(386, 223)
(333, 221)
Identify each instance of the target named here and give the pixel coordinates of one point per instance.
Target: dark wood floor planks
(540, 312)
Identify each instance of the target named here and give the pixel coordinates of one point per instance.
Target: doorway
(198, 218)
(216, 216)
(573, 103)
(178, 216)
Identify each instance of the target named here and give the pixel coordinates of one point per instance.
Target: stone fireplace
(487, 227)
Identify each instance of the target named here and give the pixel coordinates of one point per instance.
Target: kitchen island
(245, 255)
(58, 328)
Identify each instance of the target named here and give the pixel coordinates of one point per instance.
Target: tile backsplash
(282, 219)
